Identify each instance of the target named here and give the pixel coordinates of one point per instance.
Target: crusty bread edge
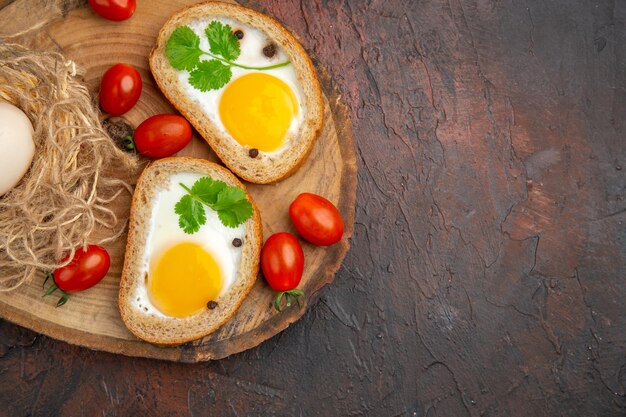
(126, 287)
(314, 100)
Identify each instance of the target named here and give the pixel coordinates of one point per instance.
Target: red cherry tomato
(84, 271)
(114, 9)
(120, 89)
(282, 262)
(316, 219)
(162, 135)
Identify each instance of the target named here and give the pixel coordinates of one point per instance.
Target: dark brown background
(488, 264)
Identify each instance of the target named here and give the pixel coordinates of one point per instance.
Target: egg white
(252, 44)
(164, 233)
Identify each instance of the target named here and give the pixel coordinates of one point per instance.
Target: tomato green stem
(52, 289)
(63, 299)
(129, 143)
(289, 296)
(64, 296)
(48, 276)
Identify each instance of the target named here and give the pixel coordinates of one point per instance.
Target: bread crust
(172, 331)
(264, 169)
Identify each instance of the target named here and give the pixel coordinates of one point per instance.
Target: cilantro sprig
(230, 203)
(184, 52)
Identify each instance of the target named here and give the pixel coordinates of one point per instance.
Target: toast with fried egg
(264, 121)
(203, 277)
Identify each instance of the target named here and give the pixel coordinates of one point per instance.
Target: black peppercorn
(211, 305)
(237, 242)
(270, 50)
(254, 152)
(239, 34)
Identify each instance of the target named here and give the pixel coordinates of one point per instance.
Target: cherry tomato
(120, 89)
(282, 262)
(84, 271)
(87, 269)
(115, 10)
(162, 135)
(316, 219)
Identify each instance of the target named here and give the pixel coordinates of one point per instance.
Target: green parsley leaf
(190, 214)
(183, 52)
(210, 75)
(228, 197)
(235, 215)
(183, 48)
(207, 189)
(231, 204)
(222, 40)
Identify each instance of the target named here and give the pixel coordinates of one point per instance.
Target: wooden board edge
(84, 339)
(244, 341)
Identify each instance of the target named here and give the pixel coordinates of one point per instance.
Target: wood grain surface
(486, 275)
(92, 319)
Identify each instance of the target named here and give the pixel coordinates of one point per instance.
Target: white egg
(16, 143)
(251, 45)
(164, 233)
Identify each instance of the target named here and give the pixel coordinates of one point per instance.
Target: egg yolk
(257, 110)
(184, 279)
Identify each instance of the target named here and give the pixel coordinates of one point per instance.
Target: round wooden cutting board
(92, 318)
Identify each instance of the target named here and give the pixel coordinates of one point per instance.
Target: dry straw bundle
(67, 192)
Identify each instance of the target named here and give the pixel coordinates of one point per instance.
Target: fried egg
(183, 271)
(257, 109)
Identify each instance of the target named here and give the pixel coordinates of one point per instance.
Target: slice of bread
(265, 167)
(158, 328)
